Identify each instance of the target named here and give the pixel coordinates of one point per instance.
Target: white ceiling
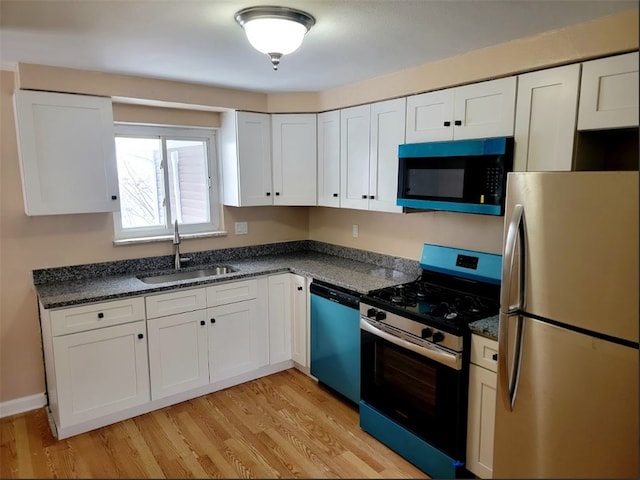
(199, 41)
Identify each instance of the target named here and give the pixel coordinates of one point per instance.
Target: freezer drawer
(576, 409)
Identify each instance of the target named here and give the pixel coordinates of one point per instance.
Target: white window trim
(153, 234)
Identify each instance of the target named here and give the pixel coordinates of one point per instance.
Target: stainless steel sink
(174, 276)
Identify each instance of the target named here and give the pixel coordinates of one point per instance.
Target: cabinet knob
(114, 197)
(447, 124)
(277, 194)
(268, 194)
(100, 315)
(335, 194)
(299, 289)
(140, 336)
(494, 357)
(364, 196)
(371, 197)
(202, 322)
(213, 320)
(458, 122)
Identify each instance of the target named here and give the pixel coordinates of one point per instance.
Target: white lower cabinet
(105, 362)
(178, 353)
(300, 320)
(482, 402)
(280, 303)
(238, 339)
(96, 372)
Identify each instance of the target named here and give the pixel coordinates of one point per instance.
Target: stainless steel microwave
(467, 176)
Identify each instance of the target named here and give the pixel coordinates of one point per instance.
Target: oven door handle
(434, 353)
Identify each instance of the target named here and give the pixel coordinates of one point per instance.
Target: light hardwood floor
(280, 426)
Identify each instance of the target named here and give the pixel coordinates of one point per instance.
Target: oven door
(419, 393)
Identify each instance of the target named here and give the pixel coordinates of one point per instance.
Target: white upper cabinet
(546, 111)
(246, 159)
(369, 139)
(387, 132)
(478, 110)
(268, 159)
(329, 159)
(67, 153)
(354, 157)
(609, 93)
(294, 159)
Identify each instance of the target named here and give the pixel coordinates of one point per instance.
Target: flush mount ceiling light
(276, 31)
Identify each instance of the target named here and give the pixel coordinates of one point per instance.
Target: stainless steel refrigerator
(567, 395)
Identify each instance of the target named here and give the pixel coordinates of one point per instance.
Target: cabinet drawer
(96, 315)
(484, 352)
(223, 293)
(178, 301)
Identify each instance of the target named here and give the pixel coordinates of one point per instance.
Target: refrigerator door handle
(515, 232)
(509, 380)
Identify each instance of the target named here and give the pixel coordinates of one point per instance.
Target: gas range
(456, 287)
(414, 346)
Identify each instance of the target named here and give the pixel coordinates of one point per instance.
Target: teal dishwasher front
(335, 339)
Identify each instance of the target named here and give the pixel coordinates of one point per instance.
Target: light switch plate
(355, 230)
(242, 228)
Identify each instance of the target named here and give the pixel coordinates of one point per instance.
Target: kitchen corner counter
(487, 327)
(356, 275)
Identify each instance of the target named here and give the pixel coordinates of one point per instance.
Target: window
(166, 174)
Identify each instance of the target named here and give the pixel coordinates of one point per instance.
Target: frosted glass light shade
(275, 31)
(274, 35)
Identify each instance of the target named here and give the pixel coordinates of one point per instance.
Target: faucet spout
(176, 243)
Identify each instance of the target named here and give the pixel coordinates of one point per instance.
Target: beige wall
(37, 242)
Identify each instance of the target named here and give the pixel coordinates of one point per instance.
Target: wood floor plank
(281, 426)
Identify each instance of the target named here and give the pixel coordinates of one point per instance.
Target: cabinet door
(609, 93)
(238, 339)
(101, 371)
(294, 159)
(481, 419)
(354, 157)
(387, 132)
(546, 111)
(67, 153)
(299, 320)
(178, 356)
(485, 109)
(430, 116)
(329, 159)
(254, 159)
(280, 305)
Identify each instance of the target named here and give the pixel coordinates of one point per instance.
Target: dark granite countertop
(58, 288)
(487, 327)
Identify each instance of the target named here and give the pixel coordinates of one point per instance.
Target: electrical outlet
(355, 230)
(242, 228)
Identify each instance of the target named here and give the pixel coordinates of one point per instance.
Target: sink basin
(174, 276)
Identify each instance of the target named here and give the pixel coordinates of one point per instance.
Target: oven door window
(418, 393)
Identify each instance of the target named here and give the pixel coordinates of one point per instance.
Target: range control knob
(438, 337)
(426, 332)
(381, 316)
(371, 313)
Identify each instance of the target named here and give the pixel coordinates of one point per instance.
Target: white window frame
(215, 226)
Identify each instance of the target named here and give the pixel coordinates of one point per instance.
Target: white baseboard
(23, 404)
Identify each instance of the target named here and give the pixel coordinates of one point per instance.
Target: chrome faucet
(176, 243)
